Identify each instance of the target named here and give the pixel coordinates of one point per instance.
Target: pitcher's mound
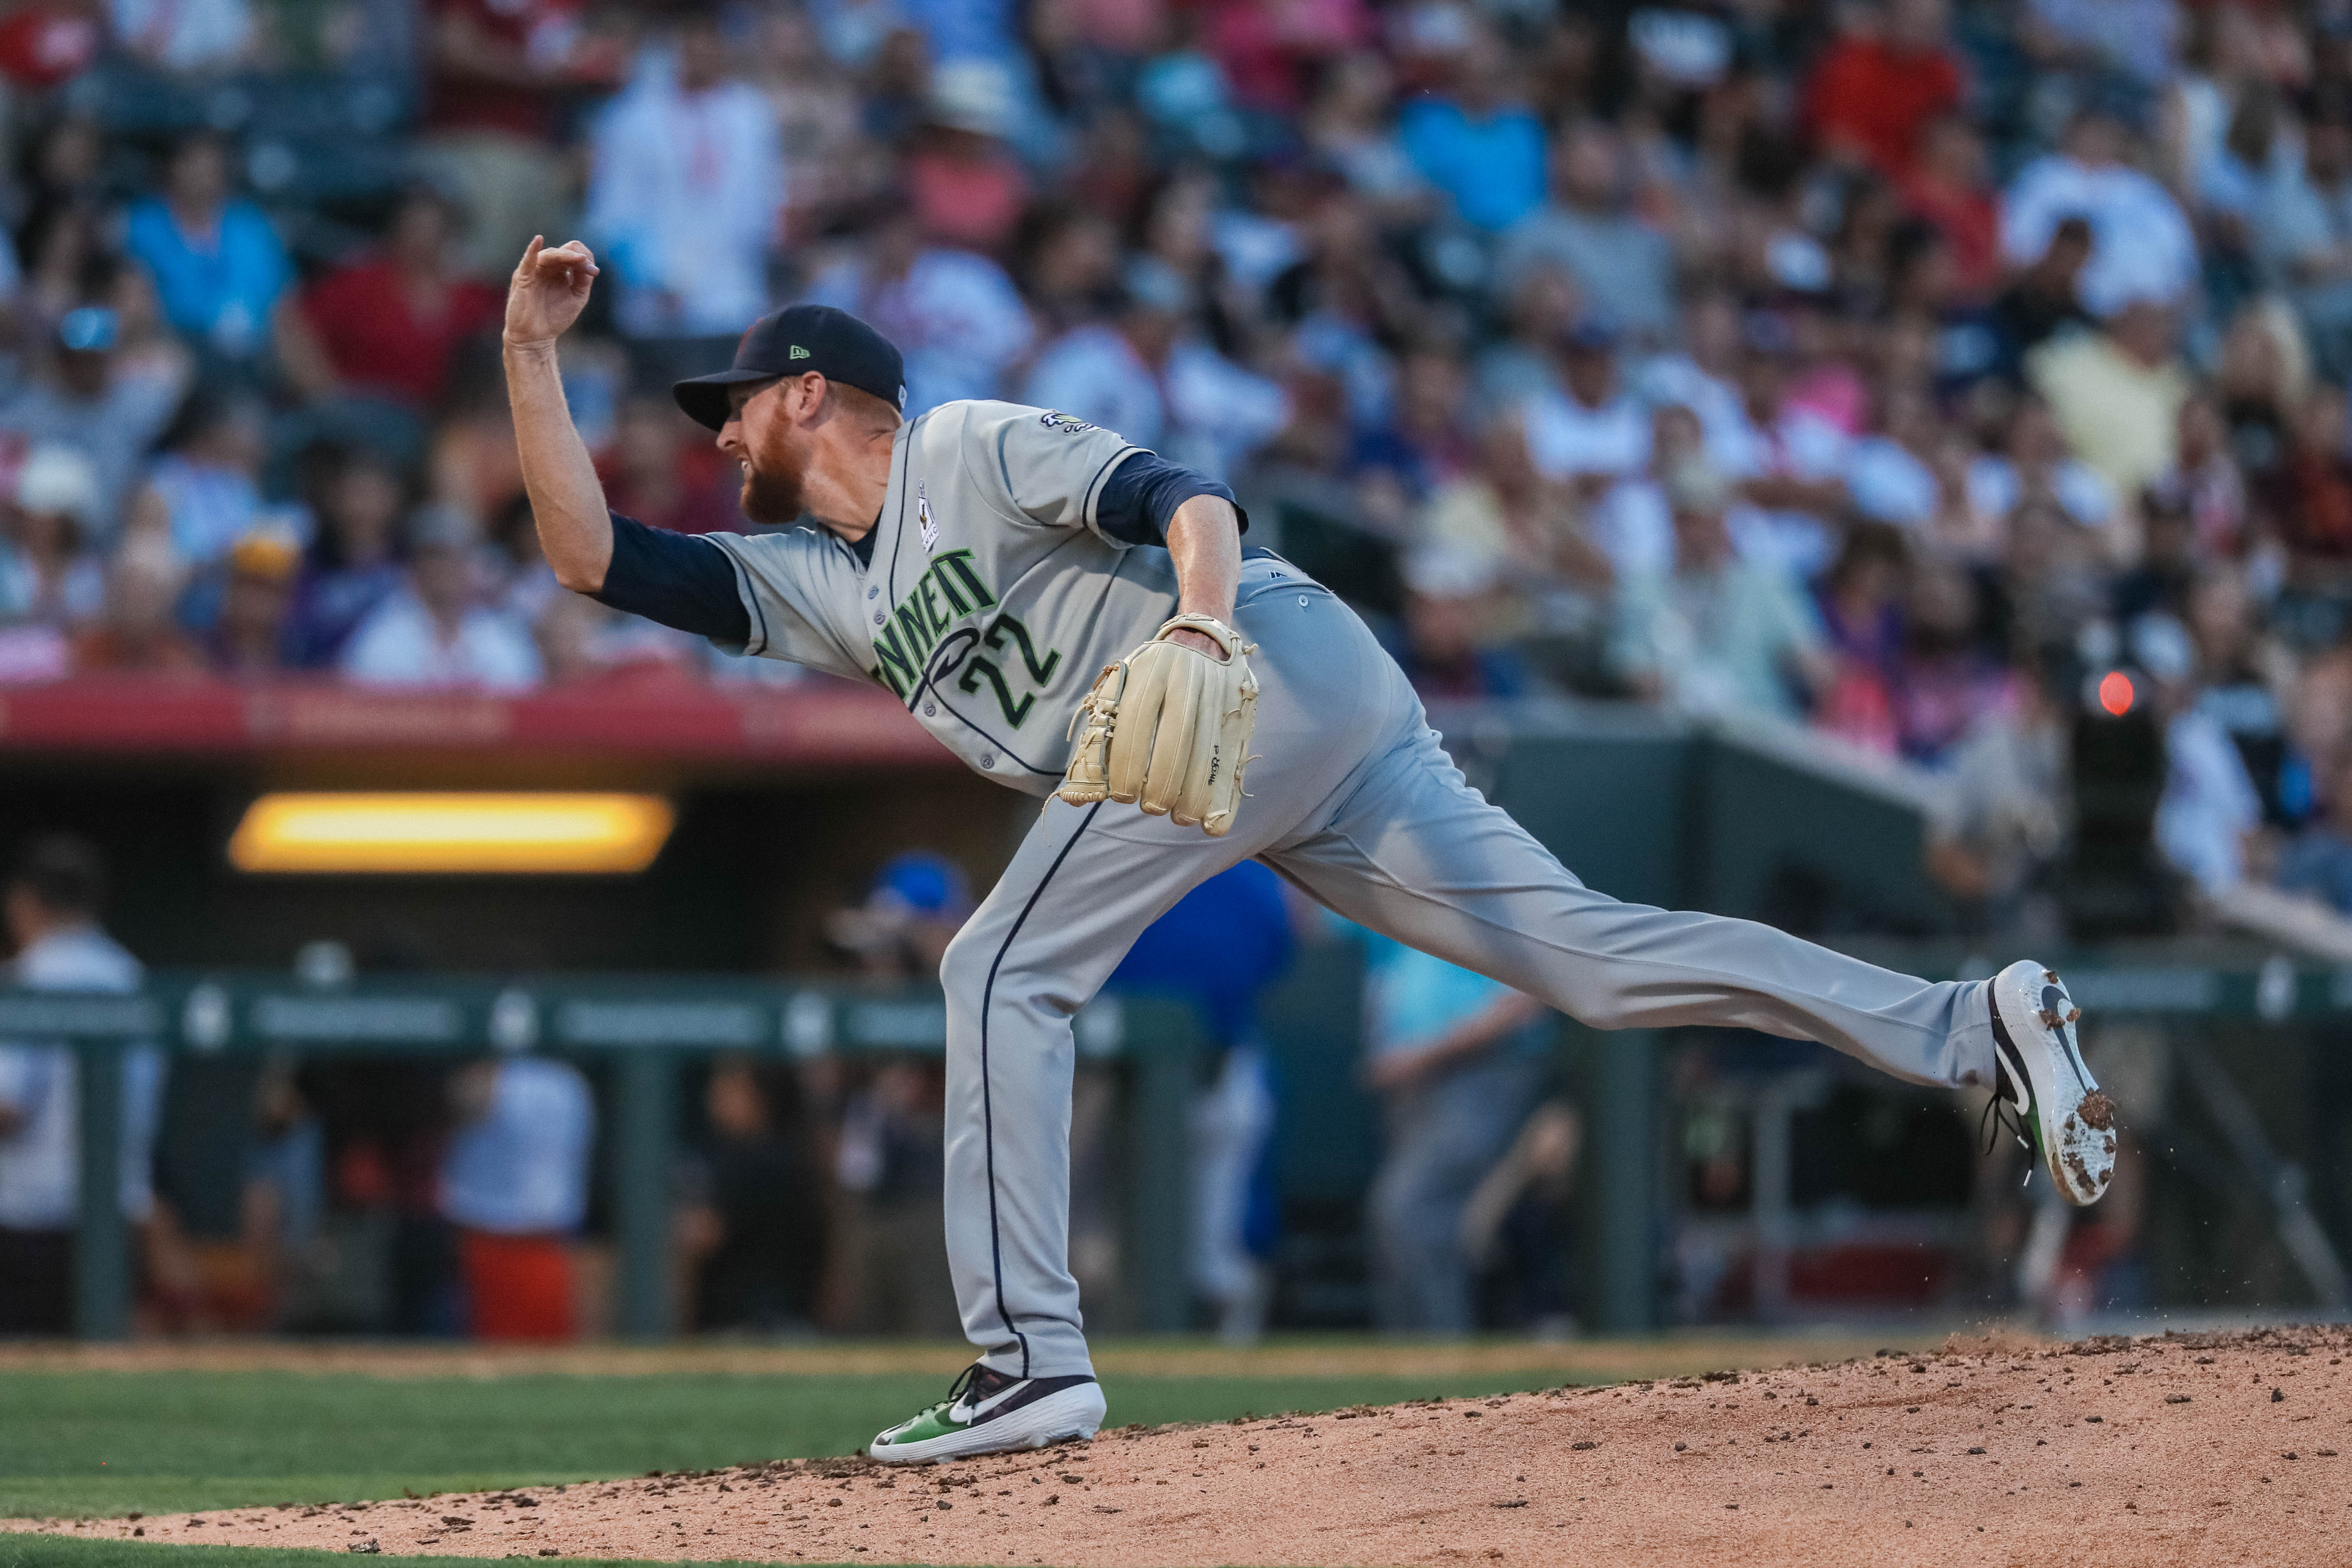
(2183, 1449)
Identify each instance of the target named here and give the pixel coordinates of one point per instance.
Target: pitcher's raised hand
(549, 290)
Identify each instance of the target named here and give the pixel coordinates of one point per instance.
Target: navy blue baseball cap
(792, 342)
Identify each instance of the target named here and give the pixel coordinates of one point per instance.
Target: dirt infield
(2195, 1448)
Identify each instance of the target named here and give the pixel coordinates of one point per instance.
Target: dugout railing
(2237, 1096)
(644, 1031)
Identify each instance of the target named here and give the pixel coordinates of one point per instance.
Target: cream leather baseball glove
(1168, 729)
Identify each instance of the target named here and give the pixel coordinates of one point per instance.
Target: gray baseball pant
(1354, 801)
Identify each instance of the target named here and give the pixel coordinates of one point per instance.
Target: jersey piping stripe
(898, 523)
(987, 1111)
(1089, 507)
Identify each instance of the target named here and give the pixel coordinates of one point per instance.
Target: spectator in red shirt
(1890, 74)
(967, 187)
(1271, 52)
(392, 324)
(2312, 491)
(1946, 187)
(500, 71)
(42, 45)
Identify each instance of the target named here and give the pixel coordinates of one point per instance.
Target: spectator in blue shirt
(1458, 1060)
(2317, 861)
(1479, 144)
(1220, 948)
(220, 271)
(514, 1181)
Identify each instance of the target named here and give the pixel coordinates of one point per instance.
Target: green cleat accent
(990, 1412)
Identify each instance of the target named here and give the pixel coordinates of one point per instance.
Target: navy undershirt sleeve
(675, 579)
(1143, 493)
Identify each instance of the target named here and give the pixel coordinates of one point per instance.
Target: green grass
(62, 1552)
(95, 1444)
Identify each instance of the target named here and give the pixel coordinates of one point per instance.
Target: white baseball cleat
(990, 1412)
(2070, 1126)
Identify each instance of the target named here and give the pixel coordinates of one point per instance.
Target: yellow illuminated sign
(451, 833)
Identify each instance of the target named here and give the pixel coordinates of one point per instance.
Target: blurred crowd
(1942, 378)
(1890, 368)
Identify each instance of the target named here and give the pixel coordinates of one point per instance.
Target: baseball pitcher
(1078, 619)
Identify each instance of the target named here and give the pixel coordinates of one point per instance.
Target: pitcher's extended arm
(547, 292)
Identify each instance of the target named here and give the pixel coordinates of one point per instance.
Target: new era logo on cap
(799, 353)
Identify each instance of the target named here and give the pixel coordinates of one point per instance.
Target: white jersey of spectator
(40, 1164)
(2136, 37)
(851, 30)
(187, 37)
(2296, 220)
(1202, 411)
(1995, 489)
(1635, 528)
(1623, 268)
(1256, 249)
(1717, 641)
(2208, 805)
(1568, 439)
(1376, 167)
(2141, 245)
(683, 193)
(212, 506)
(1339, 346)
(2223, 185)
(78, 598)
(1799, 444)
(955, 317)
(401, 644)
(113, 430)
(2205, 106)
(1507, 374)
(525, 591)
(522, 1168)
(1676, 380)
(1888, 484)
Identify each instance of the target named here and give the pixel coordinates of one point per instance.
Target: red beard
(772, 483)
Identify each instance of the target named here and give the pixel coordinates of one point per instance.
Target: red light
(2115, 693)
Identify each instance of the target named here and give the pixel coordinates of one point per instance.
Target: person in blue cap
(919, 902)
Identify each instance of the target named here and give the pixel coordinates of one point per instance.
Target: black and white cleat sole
(2073, 1124)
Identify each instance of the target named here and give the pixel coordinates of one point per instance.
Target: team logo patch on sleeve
(1067, 424)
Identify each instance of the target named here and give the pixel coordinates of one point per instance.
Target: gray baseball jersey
(992, 598)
